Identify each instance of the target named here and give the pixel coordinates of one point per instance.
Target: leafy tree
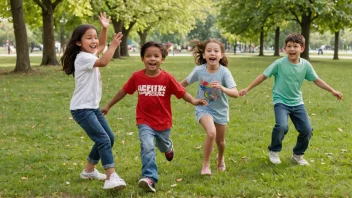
(49, 52)
(47, 9)
(204, 30)
(304, 12)
(174, 17)
(336, 20)
(166, 16)
(248, 18)
(22, 58)
(6, 31)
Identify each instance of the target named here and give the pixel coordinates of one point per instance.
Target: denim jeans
(97, 128)
(300, 120)
(147, 136)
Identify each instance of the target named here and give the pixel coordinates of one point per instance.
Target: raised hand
(103, 20)
(117, 39)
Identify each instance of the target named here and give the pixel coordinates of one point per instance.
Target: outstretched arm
(320, 83)
(184, 83)
(253, 84)
(104, 32)
(119, 95)
(188, 98)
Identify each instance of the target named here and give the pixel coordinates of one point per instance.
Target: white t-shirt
(88, 89)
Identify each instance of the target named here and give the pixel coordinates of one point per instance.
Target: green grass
(42, 150)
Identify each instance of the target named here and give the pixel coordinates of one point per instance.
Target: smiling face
(89, 42)
(293, 51)
(212, 54)
(152, 60)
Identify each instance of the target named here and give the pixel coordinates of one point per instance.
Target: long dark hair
(154, 44)
(199, 48)
(72, 49)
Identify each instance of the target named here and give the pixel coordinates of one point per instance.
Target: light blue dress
(218, 106)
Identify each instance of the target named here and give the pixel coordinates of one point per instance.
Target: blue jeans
(97, 128)
(300, 120)
(162, 142)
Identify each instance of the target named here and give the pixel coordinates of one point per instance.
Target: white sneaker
(93, 175)
(274, 157)
(115, 182)
(298, 159)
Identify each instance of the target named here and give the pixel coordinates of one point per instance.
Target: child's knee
(308, 131)
(282, 128)
(221, 143)
(147, 146)
(211, 134)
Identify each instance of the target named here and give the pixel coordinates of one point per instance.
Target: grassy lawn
(42, 150)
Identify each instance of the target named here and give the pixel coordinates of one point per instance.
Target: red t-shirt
(154, 94)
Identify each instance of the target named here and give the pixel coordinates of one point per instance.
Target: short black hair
(154, 44)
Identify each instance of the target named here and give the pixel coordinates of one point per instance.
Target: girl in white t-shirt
(81, 60)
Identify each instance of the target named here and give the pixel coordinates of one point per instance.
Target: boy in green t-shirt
(289, 72)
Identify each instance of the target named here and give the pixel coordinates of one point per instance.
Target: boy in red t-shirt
(153, 111)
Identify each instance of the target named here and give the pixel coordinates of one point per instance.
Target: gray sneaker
(298, 159)
(274, 157)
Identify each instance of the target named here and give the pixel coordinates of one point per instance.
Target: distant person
(154, 87)
(32, 47)
(215, 83)
(80, 59)
(321, 50)
(9, 48)
(289, 72)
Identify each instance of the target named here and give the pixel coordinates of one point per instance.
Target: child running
(81, 60)
(153, 110)
(289, 72)
(215, 83)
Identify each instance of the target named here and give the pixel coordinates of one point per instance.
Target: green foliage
(205, 30)
(338, 16)
(6, 32)
(43, 150)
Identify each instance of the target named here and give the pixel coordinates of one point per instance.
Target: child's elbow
(101, 63)
(235, 93)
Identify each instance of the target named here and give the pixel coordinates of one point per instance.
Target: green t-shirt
(288, 80)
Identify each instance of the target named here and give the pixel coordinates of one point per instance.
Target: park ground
(42, 150)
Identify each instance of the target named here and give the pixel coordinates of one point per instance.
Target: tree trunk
(143, 36)
(336, 45)
(277, 42)
(49, 50)
(118, 28)
(22, 51)
(124, 44)
(305, 28)
(261, 47)
(235, 46)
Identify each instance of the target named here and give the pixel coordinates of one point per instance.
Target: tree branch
(39, 3)
(56, 3)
